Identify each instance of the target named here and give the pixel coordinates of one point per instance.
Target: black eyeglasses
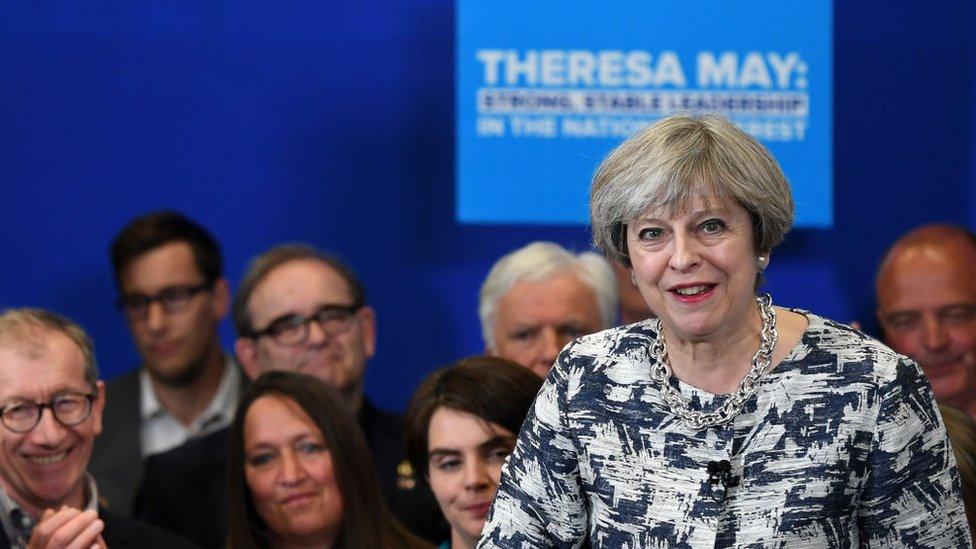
(293, 330)
(174, 299)
(69, 409)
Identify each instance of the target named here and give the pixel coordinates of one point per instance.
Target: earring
(762, 262)
(633, 278)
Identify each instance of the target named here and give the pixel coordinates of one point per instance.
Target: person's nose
(292, 469)
(935, 336)
(476, 475)
(549, 346)
(316, 334)
(684, 252)
(156, 317)
(48, 432)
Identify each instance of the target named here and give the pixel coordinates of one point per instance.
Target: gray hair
(538, 261)
(681, 157)
(22, 326)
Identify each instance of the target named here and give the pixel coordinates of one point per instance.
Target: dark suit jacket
(116, 461)
(185, 489)
(125, 532)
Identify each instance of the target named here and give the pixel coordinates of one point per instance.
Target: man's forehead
(35, 342)
(558, 287)
(168, 264)
(297, 286)
(53, 361)
(952, 254)
(563, 297)
(928, 275)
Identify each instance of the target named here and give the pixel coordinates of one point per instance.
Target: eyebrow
(899, 312)
(316, 310)
(442, 452)
(522, 326)
(166, 288)
(284, 316)
(493, 442)
(918, 311)
(258, 446)
(959, 305)
(498, 440)
(574, 319)
(62, 390)
(698, 213)
(288, 316)
(300, 438)
(572, 322)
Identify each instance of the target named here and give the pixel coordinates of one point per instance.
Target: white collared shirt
(160, 431)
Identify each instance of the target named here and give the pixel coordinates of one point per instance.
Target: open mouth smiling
(48, 459)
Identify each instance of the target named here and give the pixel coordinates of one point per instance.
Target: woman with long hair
(301, 473)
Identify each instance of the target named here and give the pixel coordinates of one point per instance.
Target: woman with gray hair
(725, 421)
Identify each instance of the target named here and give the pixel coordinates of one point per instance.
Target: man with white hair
(540, 297)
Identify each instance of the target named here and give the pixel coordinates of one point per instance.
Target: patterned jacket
(842, 446)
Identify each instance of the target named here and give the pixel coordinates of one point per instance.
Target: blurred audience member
(51, 405)
(460, 426)
(299, 310)
(633, 306)
(962, 435)
(540, 297)
(927, 308)
(168, 272)
(301, 474)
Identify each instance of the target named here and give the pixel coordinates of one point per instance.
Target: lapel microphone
(720, 472)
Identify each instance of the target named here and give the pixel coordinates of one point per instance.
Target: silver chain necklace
(661, 372)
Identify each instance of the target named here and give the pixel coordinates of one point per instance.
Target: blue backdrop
(332, 123)
(547, 88)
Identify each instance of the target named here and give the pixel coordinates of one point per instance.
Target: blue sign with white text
(546, 89)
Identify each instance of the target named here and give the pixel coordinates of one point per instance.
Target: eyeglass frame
(268, 331)
(124, 302)
(40, 406)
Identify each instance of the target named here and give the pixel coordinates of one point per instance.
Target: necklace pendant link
(662, 373)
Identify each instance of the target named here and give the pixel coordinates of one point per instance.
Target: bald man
(927, 307)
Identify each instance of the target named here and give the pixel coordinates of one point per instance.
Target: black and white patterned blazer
(843, 446)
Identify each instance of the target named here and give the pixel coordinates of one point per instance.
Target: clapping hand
(68, 528)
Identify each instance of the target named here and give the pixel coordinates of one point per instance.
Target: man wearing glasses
(173, 297)
(296, 309)
(300, 310)
(51, 405)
